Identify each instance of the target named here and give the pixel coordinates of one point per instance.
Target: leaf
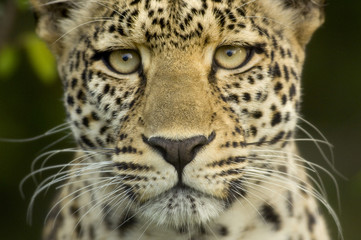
(9, 60)
(23, 5)
(41, 59)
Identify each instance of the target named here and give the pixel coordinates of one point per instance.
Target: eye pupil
(126, 57)
(230, 53)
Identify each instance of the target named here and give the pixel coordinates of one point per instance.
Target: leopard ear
(307, 16)
(50, 15)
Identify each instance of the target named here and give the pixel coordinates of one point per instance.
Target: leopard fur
(183, 148)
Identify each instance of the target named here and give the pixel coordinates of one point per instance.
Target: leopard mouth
(182, 206)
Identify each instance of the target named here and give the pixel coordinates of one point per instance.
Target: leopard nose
(178, 152)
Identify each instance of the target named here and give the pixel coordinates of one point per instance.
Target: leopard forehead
(176, 24)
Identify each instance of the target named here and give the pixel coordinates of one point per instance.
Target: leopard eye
(231, 57)
(124, 61)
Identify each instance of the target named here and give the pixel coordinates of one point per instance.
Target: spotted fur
(245, 181)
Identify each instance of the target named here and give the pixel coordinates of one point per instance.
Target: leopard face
(190, 106)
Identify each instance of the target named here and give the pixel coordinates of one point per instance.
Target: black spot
(276, 72)
(212, 75)
(253, 131)
(121, 31)
(74, 211)
(162, 23)
(103, 129)
(287, 75)
(85, 121)
(130, 166)
(261, 141)
(80, 95)
(270, 216)
(74, 82)
(233, 98)
(87, 142)
(135, 2)
(276, 119)
(246, 97)
(311, 221)
(223, 231)
(79, 230)
(282, 52)
(78, 110)
(257, 114)
(278, 87)
(278, 137)
(259, 76)
(230, 26)
(150, 13)
(126, 222)
(95, 116)
(241, 12)
(250, 80)
(106, 88)
(284, 99)
(70, 101)
(112, 28)
(241, 25)
(220, 17)
(236, 190)
(292, 91)
(99, 142)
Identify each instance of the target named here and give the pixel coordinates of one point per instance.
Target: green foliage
(22, 4)
(9, 61)
(40, 58)
(37, 56)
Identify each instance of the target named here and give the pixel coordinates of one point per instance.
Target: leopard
(185, 115)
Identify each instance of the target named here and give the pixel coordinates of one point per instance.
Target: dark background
(30, 104)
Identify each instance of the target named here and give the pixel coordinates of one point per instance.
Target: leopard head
(185, 97)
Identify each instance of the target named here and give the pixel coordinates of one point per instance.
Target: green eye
(124, 61)
(231, 57)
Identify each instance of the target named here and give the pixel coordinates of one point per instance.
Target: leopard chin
(182, 207)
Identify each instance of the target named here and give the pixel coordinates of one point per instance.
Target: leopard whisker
(149, 222)
(78, 193)
(244, 198)
(56, 142)
(35, 195)
(100, 201)
(319, 132)
(312, 165)
(57, 129)
(294, 178)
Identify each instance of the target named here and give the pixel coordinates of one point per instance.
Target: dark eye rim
(250, 54)
(106, 56)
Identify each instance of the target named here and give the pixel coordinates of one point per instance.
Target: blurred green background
(30, 104)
